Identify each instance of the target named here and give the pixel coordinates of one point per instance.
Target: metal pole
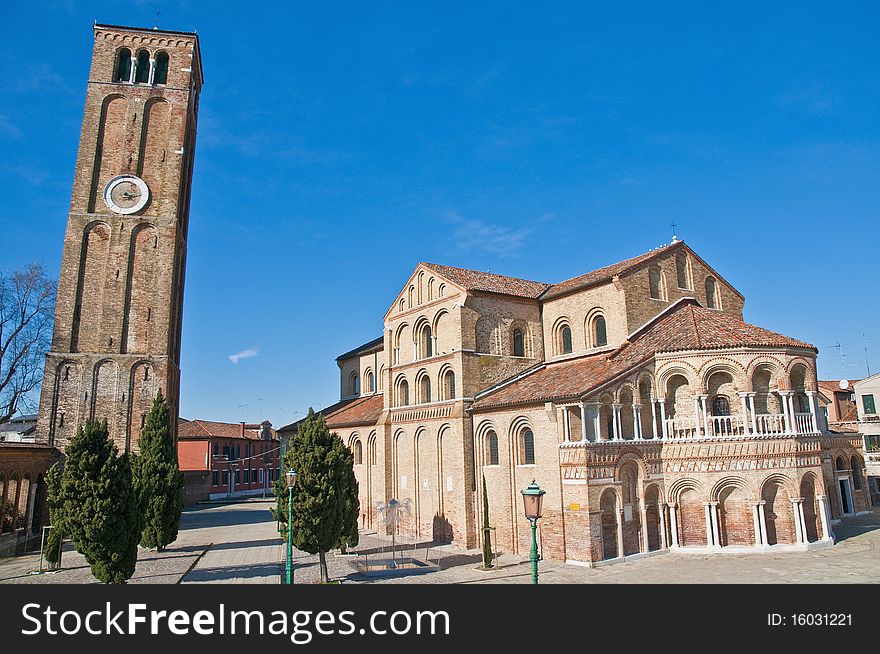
(533, 555)
(288, 566)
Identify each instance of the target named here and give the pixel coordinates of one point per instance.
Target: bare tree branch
(27, 309)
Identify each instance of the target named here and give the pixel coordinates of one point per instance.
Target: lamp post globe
(290, 478)
(533, 502)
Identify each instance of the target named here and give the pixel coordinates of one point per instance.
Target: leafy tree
(487, 542)
(325, 503)
(158, 480)
(98, 503)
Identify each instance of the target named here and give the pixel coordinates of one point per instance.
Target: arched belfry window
(427, 345)
(655, 281)
(403, 393)
(142, 69)
(122, 73)
(711, 293)
(519, 345)
(565, 346)
(160, 76)
(600, 332)
(682, 270)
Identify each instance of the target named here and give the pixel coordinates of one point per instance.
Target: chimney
(242, 429)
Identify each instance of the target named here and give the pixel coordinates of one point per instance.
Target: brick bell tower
(116, 339)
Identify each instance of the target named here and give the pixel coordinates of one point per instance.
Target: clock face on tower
(126, 194)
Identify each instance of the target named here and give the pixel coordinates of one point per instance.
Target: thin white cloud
(244, 354)
(473, 234)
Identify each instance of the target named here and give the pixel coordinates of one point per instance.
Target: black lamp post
(533, 499)
(288, 566)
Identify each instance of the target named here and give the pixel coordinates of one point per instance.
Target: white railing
(734, 426)
(682, 428)
(725, 426)
(804, 423)
(770, 423)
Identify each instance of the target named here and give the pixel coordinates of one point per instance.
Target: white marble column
(706, 431)
(814, 409)
(746, 422)
(756, 525)
(754, 415)
(786, 418)
(697, 419)
(133, 69)
(673, 524)
(653, 418)
(803, 521)
(584, 428)
(615, 421)
(152, 70)
(827, 534)
(644, 529)
(710, 534)
(566, 426)
(620, 532)
(713, 512)
(637, 421)
(663, 432)
(796, 516)
(762, 521)
(661, 508)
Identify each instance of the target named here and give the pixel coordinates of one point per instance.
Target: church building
(635, 395)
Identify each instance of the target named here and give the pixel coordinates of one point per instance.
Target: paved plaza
(238, 543)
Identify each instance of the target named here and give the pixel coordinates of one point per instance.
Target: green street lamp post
(288, 565)
(278, 497)
(533, 499)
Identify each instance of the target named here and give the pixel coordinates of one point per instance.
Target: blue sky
(341, 143)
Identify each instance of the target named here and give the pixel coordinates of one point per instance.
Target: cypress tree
(56, 534)
(487, 542)
(98, 503)
(158, 479)
(325, 504)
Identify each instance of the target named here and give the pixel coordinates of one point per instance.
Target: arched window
(720, 406)
(425, 389)
(442, 290)
(160, 76)
(358, 451)
(123, 66)
(371, 382)
(430, 289)
(565, 340)
(519, 345)
(403, 393)
(411, 298)
(682, 270)
(372, 452)
(856, 473)
(600, 332)
(527, 447)
(491, 453)
(711, 293)
(354, 384)
(381, 375)
(142, 69)
(401, 305)
(426, 336)
(655, 282)
(449, 383)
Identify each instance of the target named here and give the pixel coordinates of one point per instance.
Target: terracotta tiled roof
(210, 428)
(375, 345)
(830, 386)
(685, 325)
(359, 411)
(605, 274)
(475, 280)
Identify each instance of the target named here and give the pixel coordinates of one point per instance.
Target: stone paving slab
(239, 543)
